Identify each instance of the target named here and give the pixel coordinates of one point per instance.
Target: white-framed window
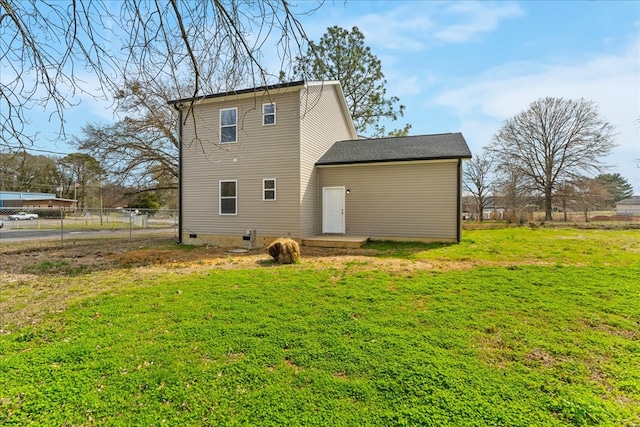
(269, 114)
(229, 197)
(229, 125)
(269, 189)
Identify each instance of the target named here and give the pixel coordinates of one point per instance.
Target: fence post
(61, 227)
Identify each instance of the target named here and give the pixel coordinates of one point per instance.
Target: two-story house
(285, 161)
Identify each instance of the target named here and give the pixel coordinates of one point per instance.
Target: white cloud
(398, 30)
(416, 25)
(611, 81)
(503, 91)
(477, 17)
(401, 84)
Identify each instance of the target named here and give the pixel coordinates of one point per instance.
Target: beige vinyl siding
(401, 200)
(323, 122)
(261, 152)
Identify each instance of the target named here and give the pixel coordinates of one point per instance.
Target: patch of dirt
(37, 278)
(42, 277)
(542, 357)
(76, 257)
(160, 253)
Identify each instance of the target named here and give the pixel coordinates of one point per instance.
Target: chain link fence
(61, 223)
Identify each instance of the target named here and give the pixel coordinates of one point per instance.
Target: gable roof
(406, 148)
(267, 88)
(190, 103)
(633, 200)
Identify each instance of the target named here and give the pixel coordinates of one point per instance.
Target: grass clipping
(284, 251)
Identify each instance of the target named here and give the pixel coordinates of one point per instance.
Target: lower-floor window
(269, 189)
(228, 197)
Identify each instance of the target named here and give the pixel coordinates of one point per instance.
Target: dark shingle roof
(407, 148)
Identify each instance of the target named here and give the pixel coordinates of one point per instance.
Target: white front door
(333, 210)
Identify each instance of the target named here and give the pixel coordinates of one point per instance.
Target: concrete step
(335, 241)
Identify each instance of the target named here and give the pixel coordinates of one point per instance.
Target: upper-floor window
(269, 114)
(229, 125)
(269, 189)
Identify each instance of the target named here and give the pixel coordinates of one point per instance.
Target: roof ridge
(401, 137)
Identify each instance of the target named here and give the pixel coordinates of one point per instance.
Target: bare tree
(554, 140)
(587, 194)
(80, 173)
(513, 190)
(476, 180)
(142, 148)
(49, 49)
(564, 196)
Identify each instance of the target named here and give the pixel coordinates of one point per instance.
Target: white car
(22, 215)
(1, 223)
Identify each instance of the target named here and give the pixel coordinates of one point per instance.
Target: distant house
(492, 209)
(630, 206)
(27, 200)
(285, 161)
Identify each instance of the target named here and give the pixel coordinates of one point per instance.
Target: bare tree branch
(476, 180)
(48, 50)
(554, 140)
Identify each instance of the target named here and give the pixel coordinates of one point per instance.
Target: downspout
(179, 108)
(459, 202)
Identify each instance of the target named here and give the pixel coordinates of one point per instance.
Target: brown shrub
(284, 251)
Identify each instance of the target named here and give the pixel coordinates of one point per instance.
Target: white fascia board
(389, 163)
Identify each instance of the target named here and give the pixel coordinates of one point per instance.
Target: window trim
(228, 126)
(220, 197)
(264, 115)
(264, 190)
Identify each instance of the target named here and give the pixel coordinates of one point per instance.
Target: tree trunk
(547, 205)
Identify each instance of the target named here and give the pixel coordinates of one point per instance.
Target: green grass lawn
(513, 327)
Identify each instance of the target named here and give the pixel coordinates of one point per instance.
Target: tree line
(77, 176)
(549, 157)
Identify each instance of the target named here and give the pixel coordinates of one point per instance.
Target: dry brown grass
(43, 277)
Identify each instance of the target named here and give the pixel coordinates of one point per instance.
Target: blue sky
(467, 66)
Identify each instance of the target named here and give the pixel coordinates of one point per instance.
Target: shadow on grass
(267, 262)
(402, 250)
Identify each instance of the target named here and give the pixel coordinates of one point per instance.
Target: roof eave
(413, 159)
(267, 88)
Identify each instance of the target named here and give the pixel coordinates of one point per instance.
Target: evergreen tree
(617, 186)
(343, 56)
